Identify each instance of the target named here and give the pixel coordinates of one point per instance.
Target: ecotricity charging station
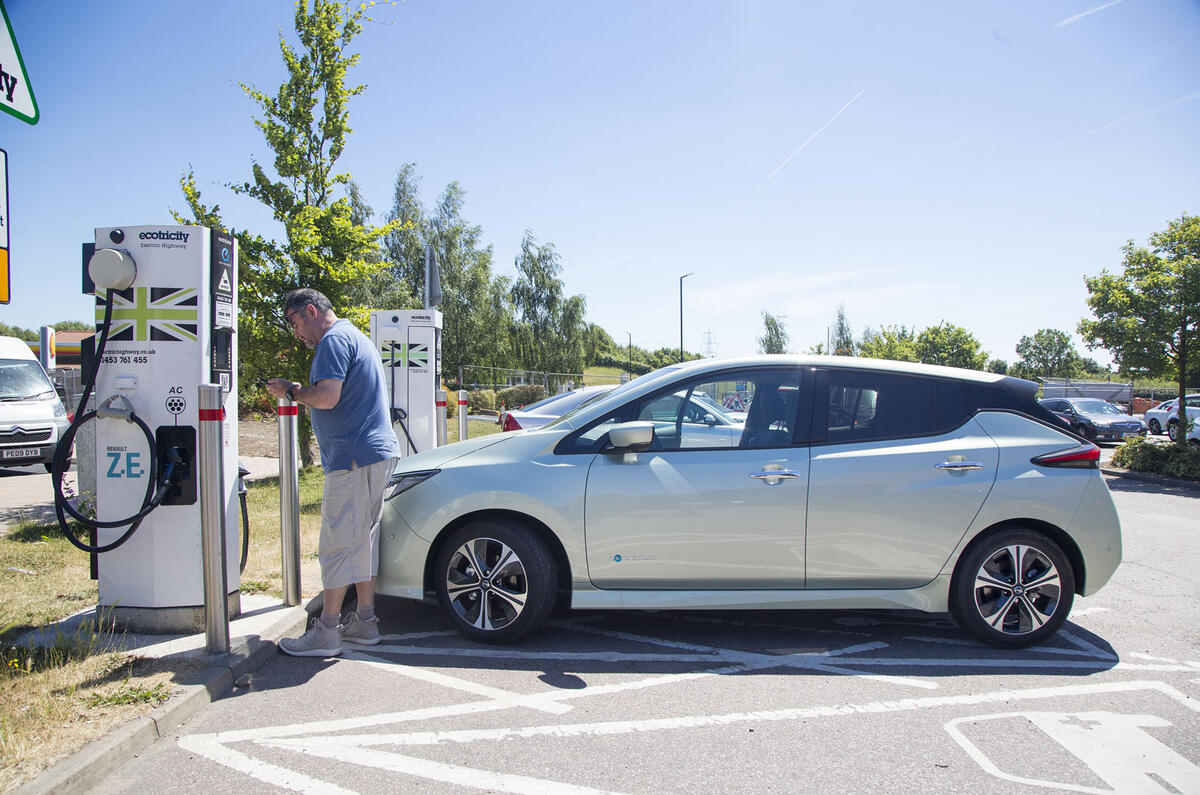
(170, 308)
(410, 343)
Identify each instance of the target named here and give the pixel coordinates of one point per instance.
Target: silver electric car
(853, 483)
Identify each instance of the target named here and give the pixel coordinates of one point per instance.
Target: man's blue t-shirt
(358, 430)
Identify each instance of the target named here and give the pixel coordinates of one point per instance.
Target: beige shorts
(351, 507)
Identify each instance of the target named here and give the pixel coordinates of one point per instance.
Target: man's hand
(279, 386)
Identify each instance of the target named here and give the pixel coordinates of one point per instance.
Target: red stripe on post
(462, 402)
(440, 404)
(212, 415)
(288, 411)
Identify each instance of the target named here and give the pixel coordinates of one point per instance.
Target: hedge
(523, 395)
(1139, 455)
(481, 400)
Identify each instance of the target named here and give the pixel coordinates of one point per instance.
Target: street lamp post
(681, 278)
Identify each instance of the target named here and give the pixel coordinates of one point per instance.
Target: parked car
(535, 415)
(1166, 415)
(854, 483)
(32, 416)
(1097, 420)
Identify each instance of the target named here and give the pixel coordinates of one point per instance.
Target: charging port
(182, 438)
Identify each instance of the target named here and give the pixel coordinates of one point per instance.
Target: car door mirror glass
(630, 437)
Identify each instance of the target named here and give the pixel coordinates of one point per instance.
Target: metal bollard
(440, 417)
(212, 520)
(289, 499)
(462, 414)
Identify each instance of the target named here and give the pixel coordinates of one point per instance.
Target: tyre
(496, 580)
(1173, 430)
(1155, 427)
(1086, 431)
(1014, 589)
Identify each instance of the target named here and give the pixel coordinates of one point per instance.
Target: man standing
(348, 404)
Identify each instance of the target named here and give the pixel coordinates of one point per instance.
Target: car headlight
(403, 481)
(59, 411)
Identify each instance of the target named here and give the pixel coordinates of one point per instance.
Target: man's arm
(324, 394)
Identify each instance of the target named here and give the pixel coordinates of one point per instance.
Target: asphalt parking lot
(729, 701)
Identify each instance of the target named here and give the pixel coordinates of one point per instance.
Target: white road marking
(453, 682)
(435, 771)
(205, 745)
(1088, 611)
(1113, 746)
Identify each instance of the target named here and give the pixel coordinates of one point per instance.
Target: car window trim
(820, 419)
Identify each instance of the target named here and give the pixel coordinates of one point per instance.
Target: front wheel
(1155, 427)
(1014, 589)
(1173, 430)
(496, 580)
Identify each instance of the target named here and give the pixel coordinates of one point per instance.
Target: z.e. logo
(124, 465)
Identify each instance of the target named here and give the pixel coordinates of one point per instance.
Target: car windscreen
(21, 379)
(616, 393)
(1096, 407)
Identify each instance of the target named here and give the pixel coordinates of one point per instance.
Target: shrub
(451, 402)
(521, 395)
(1139, 455)
(481, 400)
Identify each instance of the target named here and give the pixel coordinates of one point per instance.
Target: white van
(32, 417)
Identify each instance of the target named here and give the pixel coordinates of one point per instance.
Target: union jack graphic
(396, 353)
(158, 314)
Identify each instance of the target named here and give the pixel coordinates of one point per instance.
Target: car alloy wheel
(496, 580)
(1013, 589)
(1155, 428)
(1173, 430)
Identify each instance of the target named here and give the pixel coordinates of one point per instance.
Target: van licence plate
(22, 452)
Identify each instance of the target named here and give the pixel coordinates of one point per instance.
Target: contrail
(1062, 23)
(814, 135)
(1132, 116)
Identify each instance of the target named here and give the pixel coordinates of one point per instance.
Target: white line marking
(609, 728)
(436, 771)
(453, 682)
(204, 745)
(1088, 611)
(1085, 645)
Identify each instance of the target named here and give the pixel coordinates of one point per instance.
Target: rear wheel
(1014, 589)
(1173, 430)
(496, 580)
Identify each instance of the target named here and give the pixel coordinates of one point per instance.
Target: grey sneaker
(355, 630)
(319, 641)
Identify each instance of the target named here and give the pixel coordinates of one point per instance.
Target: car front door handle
(959, 466)
(774, 474)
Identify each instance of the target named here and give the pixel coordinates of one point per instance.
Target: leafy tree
(305, 124)
(951, 346)
(897, 343)
(998, 366)
(1148, 315)
(1048, 353)
(843, 335)
(550, 327)
(18, 332)
(775, 335)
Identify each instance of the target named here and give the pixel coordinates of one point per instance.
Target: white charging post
(173, 319)
(410, 343)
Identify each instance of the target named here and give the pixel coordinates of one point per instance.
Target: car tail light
(1085, 456)
(510, 424)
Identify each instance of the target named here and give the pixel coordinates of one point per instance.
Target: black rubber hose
(242, 473)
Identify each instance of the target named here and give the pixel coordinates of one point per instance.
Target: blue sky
(966, 162)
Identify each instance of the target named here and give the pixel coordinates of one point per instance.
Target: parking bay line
(603, 728)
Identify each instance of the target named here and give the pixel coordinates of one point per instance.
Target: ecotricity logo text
(161, 235)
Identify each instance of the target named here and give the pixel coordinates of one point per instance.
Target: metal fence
(474, 377)
(1072, 387)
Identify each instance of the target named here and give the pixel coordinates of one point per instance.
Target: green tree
(1148, 315)
(951, 346)
(897, 343)
(843, 335)
(549, 328)
(1048, 353)
(775, 335)
(305, 124)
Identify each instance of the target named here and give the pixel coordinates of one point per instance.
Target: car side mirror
(630, 437)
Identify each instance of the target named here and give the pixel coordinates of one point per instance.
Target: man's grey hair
(296, 300)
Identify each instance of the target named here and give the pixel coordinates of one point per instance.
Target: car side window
(869, 406)
(747, 409)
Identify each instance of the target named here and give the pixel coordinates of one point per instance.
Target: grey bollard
(440, 417)
(289, 499)
(212, 520)
(462, 414)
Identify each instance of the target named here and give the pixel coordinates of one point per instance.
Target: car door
(707, 509)
(892, 489)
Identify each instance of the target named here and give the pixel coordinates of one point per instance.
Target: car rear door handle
(772, 474)
(959, 466)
